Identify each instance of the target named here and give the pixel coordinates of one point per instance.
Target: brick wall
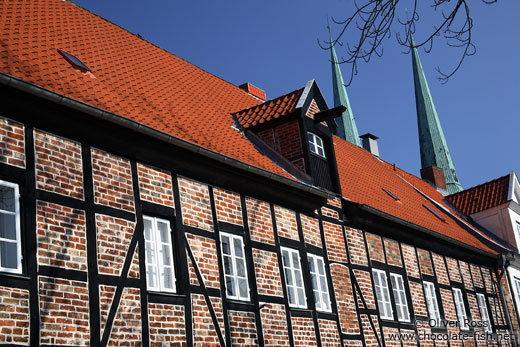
(274, 325)
(205, 254)
(290, 143)
(112, 177)
(370, 335)
(303, 332)
(12, 143)
(61, 236)
(313, 109)
(453, 269)
(113, 239)
(466, 275)
(286, 223)
(344, 299)
(127, 326)
(335, 242)
(243, 328)
(327, 212)
(267, 273)
(58, 164)
(204, 333)
(155, 185)
(64, 312)
(311, 230)
(440, 269)
(410, 261)
(375, 247)
(259, 220)
(356, 246)
(393, 252)
(425, 263)
(196, 206)
(14, 316)
(365, 284)
(286, 140)
(166, 324)
(328, 333)
(228, 206)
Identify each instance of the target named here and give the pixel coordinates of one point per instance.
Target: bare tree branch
(373, 20)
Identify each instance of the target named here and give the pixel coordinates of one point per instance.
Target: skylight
(435, 213)
(73, 60)
(390, 193)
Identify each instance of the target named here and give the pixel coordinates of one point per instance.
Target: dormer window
(316, 144)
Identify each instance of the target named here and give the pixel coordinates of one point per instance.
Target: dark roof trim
(427, 231)
(331, 113)
(60, 99)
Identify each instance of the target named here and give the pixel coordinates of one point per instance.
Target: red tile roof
(482, 197)
(276, 108)
(364, 177)
(130, 76)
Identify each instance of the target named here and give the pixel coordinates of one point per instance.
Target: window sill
(14, 275)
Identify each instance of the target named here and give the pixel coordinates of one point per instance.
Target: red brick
(196, 206)
(267, 273)
(228, 206)
(259, 220)
(58, 165)
(155, 185)
(12, 143)
(61, 236)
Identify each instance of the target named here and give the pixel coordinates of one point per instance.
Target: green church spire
(433, 146)
(346, 125)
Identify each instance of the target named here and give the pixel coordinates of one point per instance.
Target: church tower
(346, 125)
(433, 146)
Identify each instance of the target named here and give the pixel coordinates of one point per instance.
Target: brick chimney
(254, 91)
(369, 142)
(434, 175)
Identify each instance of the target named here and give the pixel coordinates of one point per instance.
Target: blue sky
(273, 45)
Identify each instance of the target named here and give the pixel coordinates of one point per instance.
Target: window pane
(225, 245)
(230, 286)
(147, 229)
(150, 276)
(241, 268)
(166, 255)
(323, 284)
(299, 280)
(311, 265)
(163, 231)
(301, 297)
(285, 258)
(228, 265)
(321, 266)
(8, 226)
(167, 278)
(243, 287)
(238, 247)
(296, 260)
(7, 199)
(289, 277)
(290, 294)
(9, 254)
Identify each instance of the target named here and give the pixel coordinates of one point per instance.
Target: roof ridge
(153, 44)
(467, 190)
(267, 101)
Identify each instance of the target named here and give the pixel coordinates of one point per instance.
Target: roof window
(390, 193)
(435, 213)
(73, 60)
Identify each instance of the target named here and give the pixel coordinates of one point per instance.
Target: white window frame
(484, 314)
(295, 273)
(431, 302)
(316, 144)
(401, 304)
(157, 263)
(460, 308)
(234, 258)
(18, 237)
(384, 303)
(319, 280)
